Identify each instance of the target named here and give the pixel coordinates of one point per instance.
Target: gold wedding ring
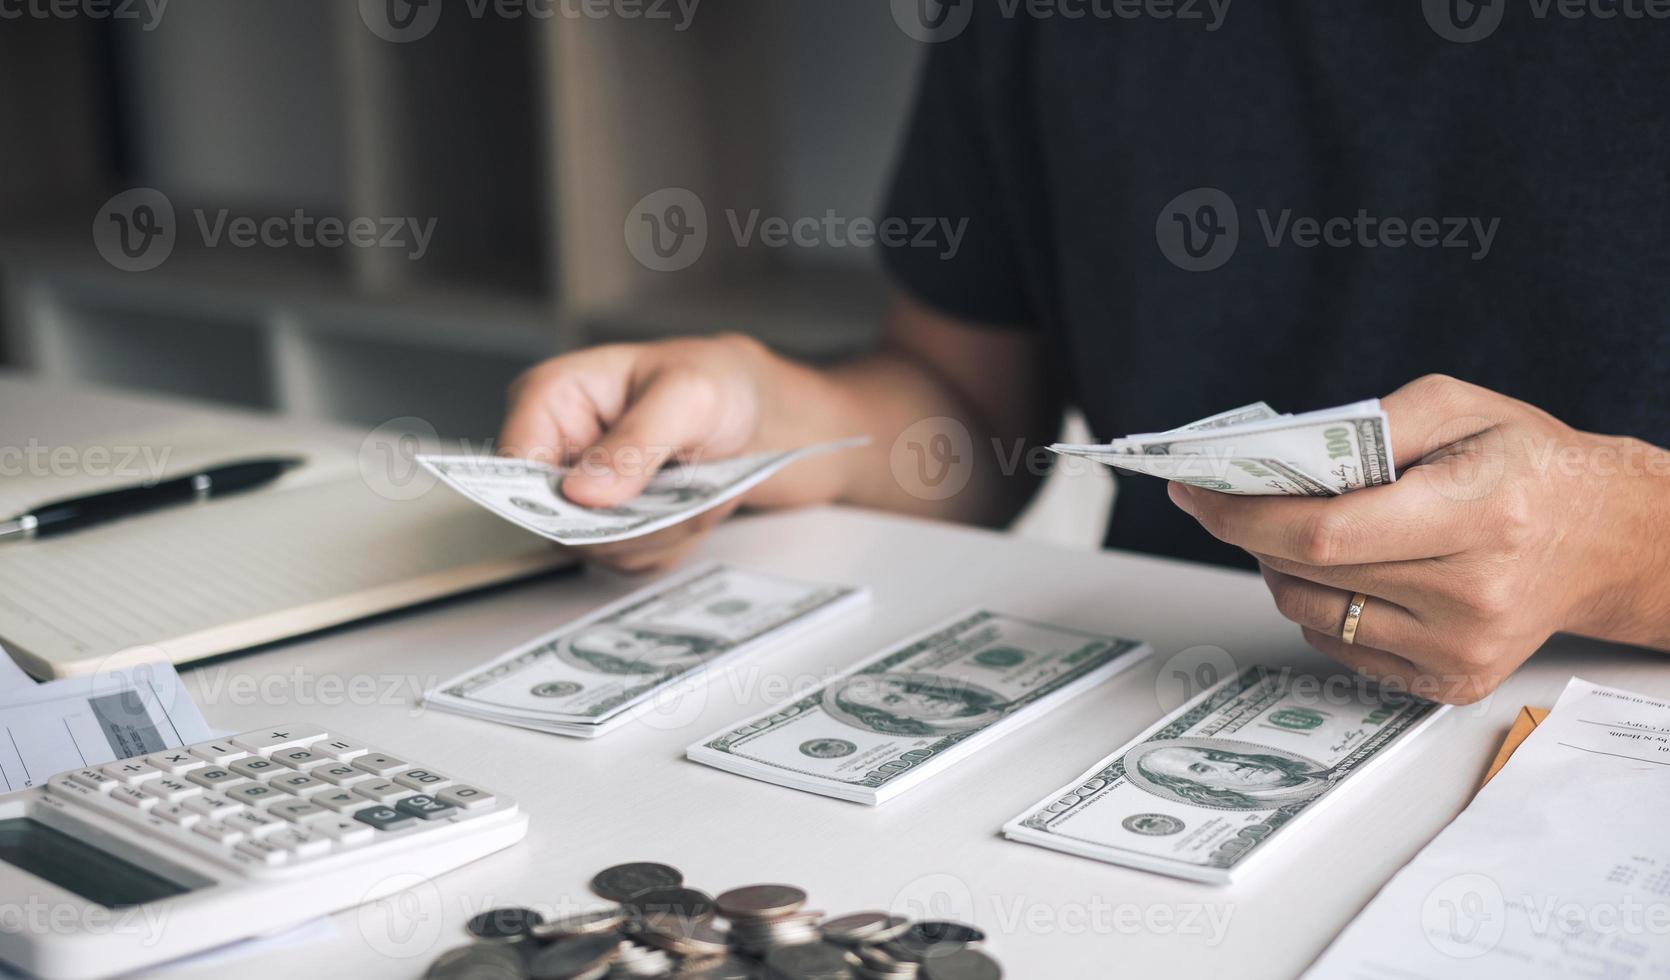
(1353, 613)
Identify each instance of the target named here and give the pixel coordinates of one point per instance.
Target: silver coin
(964, 964)
(719, 968)
(477, 962)
(589, 923)
(761, 901)
(621, 882)
(864, 927)
(506, 925)
(686, 937)
(937, 938)
(573, 959)
(812, 961)
(686, 902)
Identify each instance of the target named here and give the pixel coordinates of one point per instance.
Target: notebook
(351, 533)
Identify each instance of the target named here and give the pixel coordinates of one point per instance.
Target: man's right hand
(616, 413)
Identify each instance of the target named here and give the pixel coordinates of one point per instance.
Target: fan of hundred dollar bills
(1256, 450)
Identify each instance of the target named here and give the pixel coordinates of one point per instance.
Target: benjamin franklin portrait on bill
(1224, 774)
(607, 649)
(912, 704)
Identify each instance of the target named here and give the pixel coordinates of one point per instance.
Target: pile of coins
(661, 928)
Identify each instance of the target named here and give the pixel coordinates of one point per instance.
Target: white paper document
(86, 721)
(1559, 868)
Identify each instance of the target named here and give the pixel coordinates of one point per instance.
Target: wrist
(797, 405)
(1630, 562)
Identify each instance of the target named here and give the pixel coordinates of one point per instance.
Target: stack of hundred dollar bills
(1256, 450)
(596, 673)
(919, 708)
(1220, 780)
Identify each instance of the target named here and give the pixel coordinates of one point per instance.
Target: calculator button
(381, 790)
(255, 823)
(424, 806)
(427, 780)
(214, 777)
(296, 811)
(264, 740)
(262, 853)
(218, 753)
(300, 784)
(378, 764)
(170, 789)
(213, 806)
(133, 797)
(300, 758)
(132, 773)
(94, 780)
(300, 843)
(176, 813)
(383, 818)
(339, 774)
(176, 761)
(343, 830)
(340, 749)
(253, 793)
(340, 800)
(256, 768)
(465, 797)
(219, 833)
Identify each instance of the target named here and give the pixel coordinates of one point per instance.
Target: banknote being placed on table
(1255, 450)
(918, 708)
(525, 492)
(596, 673)
(1227, 775)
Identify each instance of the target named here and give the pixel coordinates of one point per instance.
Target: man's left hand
(1504, 527)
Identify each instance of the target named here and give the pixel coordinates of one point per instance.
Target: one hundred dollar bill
(1251, 450)
(915, 710)
(592, 675)
(1226, 775)
(525, 492)
(1225, 474)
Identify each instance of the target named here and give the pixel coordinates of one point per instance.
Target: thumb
(1434, 412)
(616, 468)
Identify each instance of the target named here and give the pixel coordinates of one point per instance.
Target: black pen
(75, 513)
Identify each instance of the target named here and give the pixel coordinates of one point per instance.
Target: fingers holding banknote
(616, 414)
(1485, 546)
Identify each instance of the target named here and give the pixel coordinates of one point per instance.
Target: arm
(616, 413)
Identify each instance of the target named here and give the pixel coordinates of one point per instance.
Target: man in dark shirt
(1312, 203)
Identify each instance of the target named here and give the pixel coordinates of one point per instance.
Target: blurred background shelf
(526, 139)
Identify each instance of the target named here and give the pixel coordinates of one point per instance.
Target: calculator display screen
(79, 867)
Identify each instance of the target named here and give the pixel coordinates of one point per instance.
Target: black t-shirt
(1539, 157)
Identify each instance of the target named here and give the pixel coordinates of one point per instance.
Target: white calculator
(223, 840)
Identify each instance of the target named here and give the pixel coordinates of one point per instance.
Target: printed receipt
(1560, 867)
(85, 721)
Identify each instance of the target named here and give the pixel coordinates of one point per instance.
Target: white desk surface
(632, 796)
